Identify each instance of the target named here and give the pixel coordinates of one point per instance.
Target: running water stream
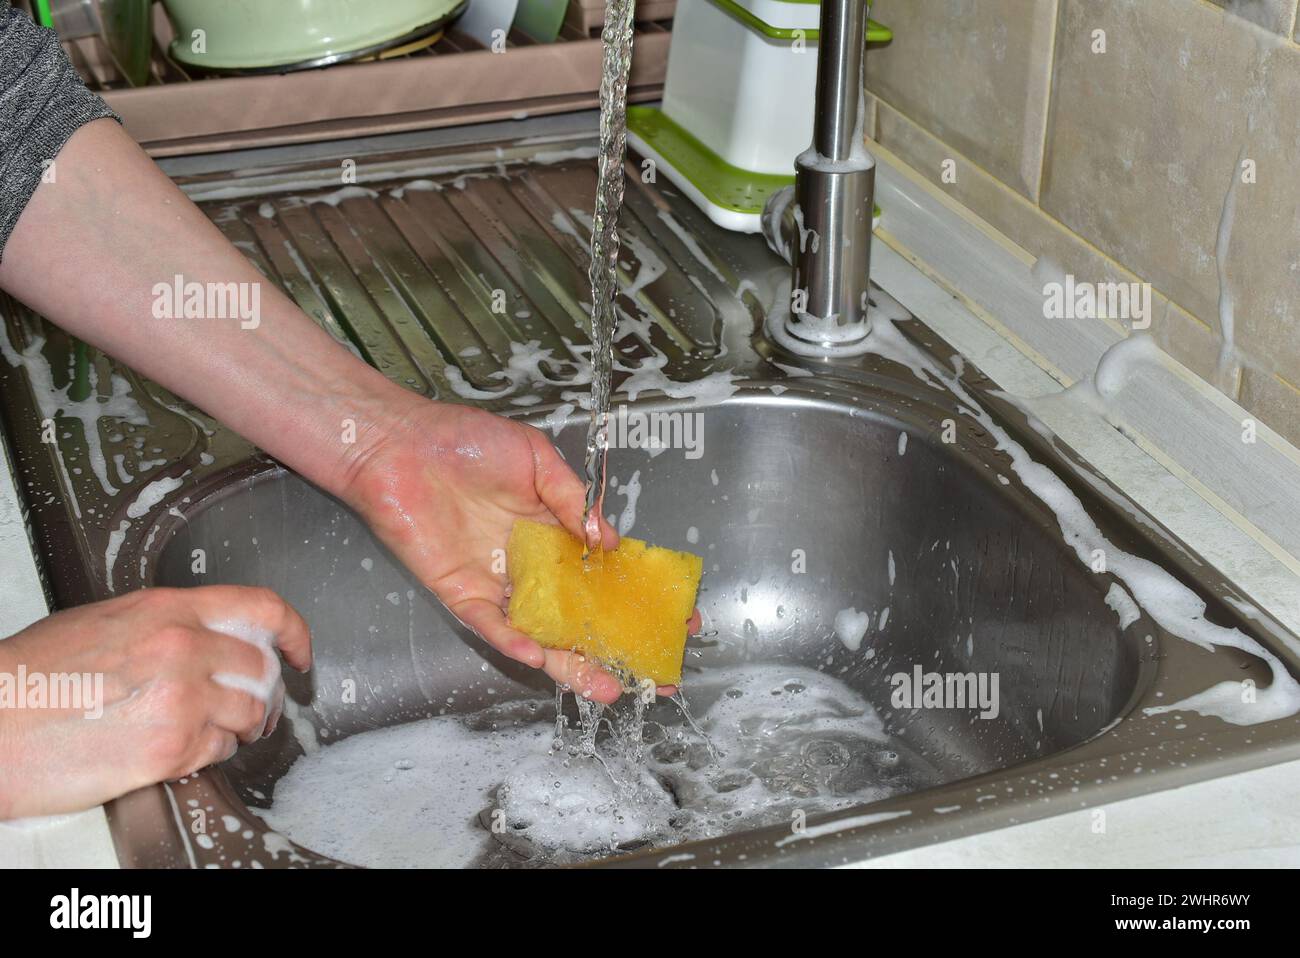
(617, 37)
(603, 273)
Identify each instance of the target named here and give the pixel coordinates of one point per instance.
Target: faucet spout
(837, 127)
(823, 224)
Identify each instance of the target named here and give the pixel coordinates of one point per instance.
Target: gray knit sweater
(42, 103)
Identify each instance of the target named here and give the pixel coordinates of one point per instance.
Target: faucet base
(834, 203)
(822, 227)
(781, 331)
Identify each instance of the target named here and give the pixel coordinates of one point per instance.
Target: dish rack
(453, 82)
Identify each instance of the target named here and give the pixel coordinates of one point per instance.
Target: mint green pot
(260, 34)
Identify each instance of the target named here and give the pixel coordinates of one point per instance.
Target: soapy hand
(442, 486)
(166, 688)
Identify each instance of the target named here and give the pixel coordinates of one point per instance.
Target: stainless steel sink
(807, 501)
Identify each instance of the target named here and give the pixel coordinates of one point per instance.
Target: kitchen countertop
(976, 290)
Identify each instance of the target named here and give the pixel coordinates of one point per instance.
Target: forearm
(89, 252)
(11, 758)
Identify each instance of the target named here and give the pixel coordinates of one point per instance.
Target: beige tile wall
(999, 51)
(1117, 164)
(1275, 15)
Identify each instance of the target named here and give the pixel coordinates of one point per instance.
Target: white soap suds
(843, 825)
(784, 738)
(58, 406)
(114, 546)
(631, 491)
(710, 390)
(579, 808)
(269, 686)
(674, 859)
(559, 417)
(850, 626)
(152, 494)
(1124, 606)
(692, 245)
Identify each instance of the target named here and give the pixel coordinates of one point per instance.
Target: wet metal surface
(461, 274)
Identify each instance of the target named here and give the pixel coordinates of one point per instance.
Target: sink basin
(794, 472)
(862, 529)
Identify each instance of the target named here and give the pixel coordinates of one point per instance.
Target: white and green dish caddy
(738, 103)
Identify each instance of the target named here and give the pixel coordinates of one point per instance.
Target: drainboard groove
(575, 248)
(646, 326)
(350, 299)
(467, 330)
(720, 304)
(393, 312)
(441, 330)
(409, 277)
(494, 213)
(462, 265)
(274, 253)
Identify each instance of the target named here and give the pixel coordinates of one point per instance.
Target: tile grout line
(1049, 104)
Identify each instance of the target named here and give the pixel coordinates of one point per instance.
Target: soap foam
(850, 626)
(57, 405)
(781, 739)
(152, 494)
(631, 491)
(579, 807)
(1123, 604)
(268, 688)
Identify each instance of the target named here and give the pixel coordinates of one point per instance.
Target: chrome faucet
(822, 224)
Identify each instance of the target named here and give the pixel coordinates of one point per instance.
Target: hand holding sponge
(626, 608)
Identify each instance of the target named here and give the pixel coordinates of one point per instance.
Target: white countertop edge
(59, 841)
(1247, 820)
(22, 599)
(80, 840)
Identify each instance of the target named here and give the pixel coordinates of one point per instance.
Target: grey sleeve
(42, 103)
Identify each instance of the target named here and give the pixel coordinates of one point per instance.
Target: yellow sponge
(626, 608)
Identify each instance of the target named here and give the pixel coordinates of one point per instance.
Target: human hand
(442, 485)
(169, 692)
